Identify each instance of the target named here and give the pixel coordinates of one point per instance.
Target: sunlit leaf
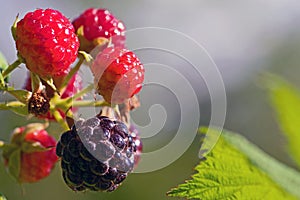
(286, 102)
(227, 173)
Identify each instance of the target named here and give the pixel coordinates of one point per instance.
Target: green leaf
(288, 178)
(2, 197)
(228, 173)
(285, 100)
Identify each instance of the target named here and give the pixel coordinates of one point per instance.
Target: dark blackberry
(97, 154)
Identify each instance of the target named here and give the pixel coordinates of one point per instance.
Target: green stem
(89, 103)
(11, 67)
(288, 178)
(60, 120)
(82, 92)
(73, 71)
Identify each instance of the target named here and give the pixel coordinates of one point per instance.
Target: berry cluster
(98, 153)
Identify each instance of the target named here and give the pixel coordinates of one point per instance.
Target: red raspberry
(34, 165)
(74, 85)
(46, 40)
(118, 74)
(100, 23)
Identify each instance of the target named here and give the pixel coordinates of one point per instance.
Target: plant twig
(60, 120)
(85, 103)
(73, 71)
(11, 67)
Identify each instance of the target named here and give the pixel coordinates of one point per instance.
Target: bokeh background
(244, 38)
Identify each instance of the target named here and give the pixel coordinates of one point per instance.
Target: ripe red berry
(34, 164)
(118, 74)
(46, 40)
(74, 85)
(98, 23)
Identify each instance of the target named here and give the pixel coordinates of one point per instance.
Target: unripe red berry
(118, 74)
(35, 164)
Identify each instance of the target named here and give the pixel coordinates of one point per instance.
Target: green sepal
(13, 28)
(14, 163)
(36, 83)
(8, 149)
(87, 57)
(50, 83)
(21, 109)
(22, 95)
(16, 107)
(30, 147)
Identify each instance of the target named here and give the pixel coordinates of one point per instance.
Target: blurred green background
(244, 39)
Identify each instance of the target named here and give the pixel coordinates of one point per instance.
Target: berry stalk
(11, 67)
(72, 72)
(60, 119)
